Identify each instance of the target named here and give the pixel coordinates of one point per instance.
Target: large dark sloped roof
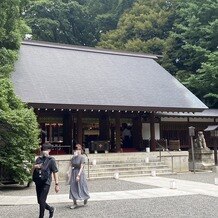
(54, 75)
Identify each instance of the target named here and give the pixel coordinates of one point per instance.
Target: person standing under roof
(126, 136)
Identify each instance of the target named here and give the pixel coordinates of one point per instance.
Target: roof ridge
(88, 49)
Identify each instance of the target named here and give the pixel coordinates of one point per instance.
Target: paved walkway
(181, 185)
(163, 189)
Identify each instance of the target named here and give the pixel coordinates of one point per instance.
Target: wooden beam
(152, 131)
(79, 128)
(117, 130)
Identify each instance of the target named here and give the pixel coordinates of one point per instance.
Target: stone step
(127, 164)
(127, 161)
(108, 170)
(127, 173)
(122, 154)
(123, 168)
(131, 160)
(126, 169)
(123, 164)
(109, 156)
(122, 157)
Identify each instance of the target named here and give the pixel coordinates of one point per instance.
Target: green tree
(193, 41)
(12, 29)
(18, 126)
(143, 28)
(77, 22)
(61, 21)
(18, 134)
(107, 13)
(205, 83)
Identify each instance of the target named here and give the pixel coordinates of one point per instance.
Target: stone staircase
(125, 165)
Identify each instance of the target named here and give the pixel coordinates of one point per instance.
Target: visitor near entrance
(43, 169)
(78, 181)
(126, 136)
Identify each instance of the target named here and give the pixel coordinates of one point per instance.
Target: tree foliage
(18, 126)
(143, 28)
(205, 82)
(60, 21)
(191, 46)
(74, 21)
(107, 13)
(18, 134)
(12, 29)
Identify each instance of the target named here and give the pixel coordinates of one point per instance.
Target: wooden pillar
(215, 149)
(67, 128)
(137, 132)
(43, 133)
(112, 139)
(50, 133)
(152, 131)
(74, 129)
(79, 128)
(117, 130)
(104, 126)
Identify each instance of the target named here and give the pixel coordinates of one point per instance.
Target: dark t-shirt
(50, 165)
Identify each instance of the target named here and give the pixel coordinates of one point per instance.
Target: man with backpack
(43, 169)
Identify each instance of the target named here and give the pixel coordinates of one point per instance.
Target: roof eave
(113, 107)
(89, 49)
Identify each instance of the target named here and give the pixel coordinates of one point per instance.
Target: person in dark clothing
(126, 136)
(42, 189)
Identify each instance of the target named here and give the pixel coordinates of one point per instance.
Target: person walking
(78, 181)
(45, 166)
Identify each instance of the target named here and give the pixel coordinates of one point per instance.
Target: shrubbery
(18, 125)
(18, 134)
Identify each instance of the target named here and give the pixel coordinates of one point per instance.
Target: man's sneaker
(51, 212)
(85, 202)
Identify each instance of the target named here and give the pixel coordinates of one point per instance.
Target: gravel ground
(198, 206)
(203, 177)
(102, 185)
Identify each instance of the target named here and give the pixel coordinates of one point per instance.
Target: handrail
(160, 146)
(88, 162)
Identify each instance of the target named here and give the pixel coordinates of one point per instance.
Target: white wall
(174, 119)
(146, 134)
(197, 119)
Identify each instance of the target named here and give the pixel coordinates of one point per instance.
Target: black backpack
(40, 176)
